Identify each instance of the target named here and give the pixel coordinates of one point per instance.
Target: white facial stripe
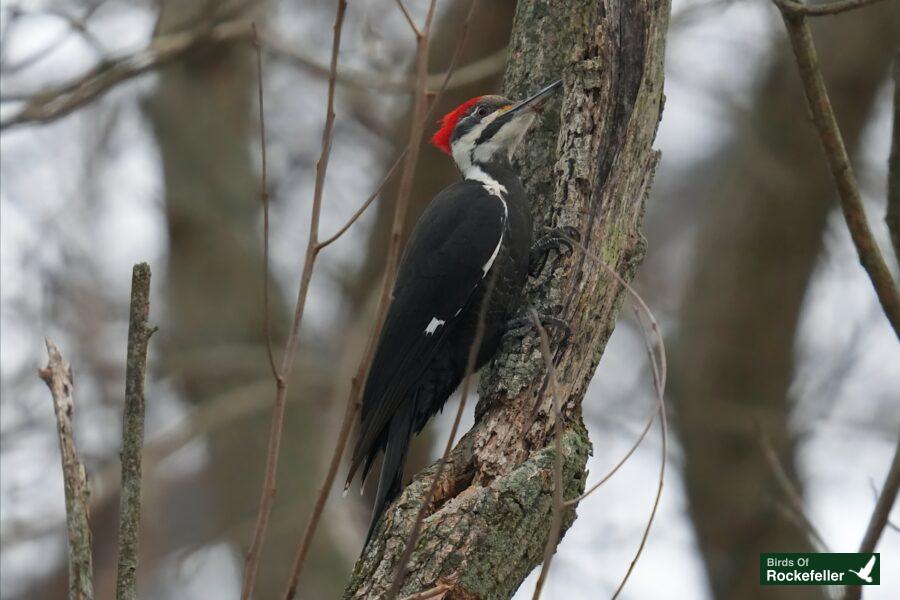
(465, 153)
(462, 148)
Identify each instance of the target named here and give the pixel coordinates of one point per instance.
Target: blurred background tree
(761, 205)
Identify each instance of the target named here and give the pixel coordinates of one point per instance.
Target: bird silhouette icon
(866, 572)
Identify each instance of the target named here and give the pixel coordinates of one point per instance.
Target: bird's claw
(520, 326)
(554, 238)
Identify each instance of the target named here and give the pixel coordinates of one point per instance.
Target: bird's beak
(535, 102)
(510, 125)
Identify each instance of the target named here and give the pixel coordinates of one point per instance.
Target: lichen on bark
(589, 164)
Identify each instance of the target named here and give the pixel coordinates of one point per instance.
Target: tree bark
(58, 377)
(762, 204)
(139, 332)
(588, 165)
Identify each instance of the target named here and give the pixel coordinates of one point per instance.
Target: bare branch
(854, 214)
(409, 19)
(75, 24)
(893, 193)
(267, 495)
(836, 154)
(880, 517)
(477, 70)
(58, 377)
(139, 333)
(797, 8)
(264, 198)
(365, 205)
(56, 102)
(617, 466)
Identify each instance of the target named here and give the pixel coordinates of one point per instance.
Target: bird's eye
(481, 111)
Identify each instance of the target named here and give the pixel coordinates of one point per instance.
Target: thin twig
(659, 380)
(344, 433)
(558, 504)
(393, 255)
(821, 10)
(880, 516)
(790, 490)
(409, 19)
(55, 102)
(618, 465)
(836, 154)
(892, 216)
(647, 426)
(656, 350)
(75, 24)
(400, 573)
(384, 82)
(264, 199)
(139, 333)
(365, 205)
(58, 377)
(658, 358)
(267, 495)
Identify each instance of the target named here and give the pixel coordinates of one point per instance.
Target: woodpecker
(474, 235)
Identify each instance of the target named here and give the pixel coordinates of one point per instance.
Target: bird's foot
(558, 238)
(520, 326)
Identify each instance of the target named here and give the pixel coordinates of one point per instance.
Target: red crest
(441, 139)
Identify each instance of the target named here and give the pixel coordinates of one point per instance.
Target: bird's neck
(498, 178)
(486, 172)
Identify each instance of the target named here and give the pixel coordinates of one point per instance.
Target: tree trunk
(589, 166)
(764, 203)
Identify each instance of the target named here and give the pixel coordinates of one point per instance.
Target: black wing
(444, 262)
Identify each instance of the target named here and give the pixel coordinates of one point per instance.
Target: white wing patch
(433, 325)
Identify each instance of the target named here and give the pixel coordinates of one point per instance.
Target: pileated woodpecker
(474, 232)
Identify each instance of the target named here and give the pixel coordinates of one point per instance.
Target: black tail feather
(390, 481)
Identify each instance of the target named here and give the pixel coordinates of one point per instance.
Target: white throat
(491, 185)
